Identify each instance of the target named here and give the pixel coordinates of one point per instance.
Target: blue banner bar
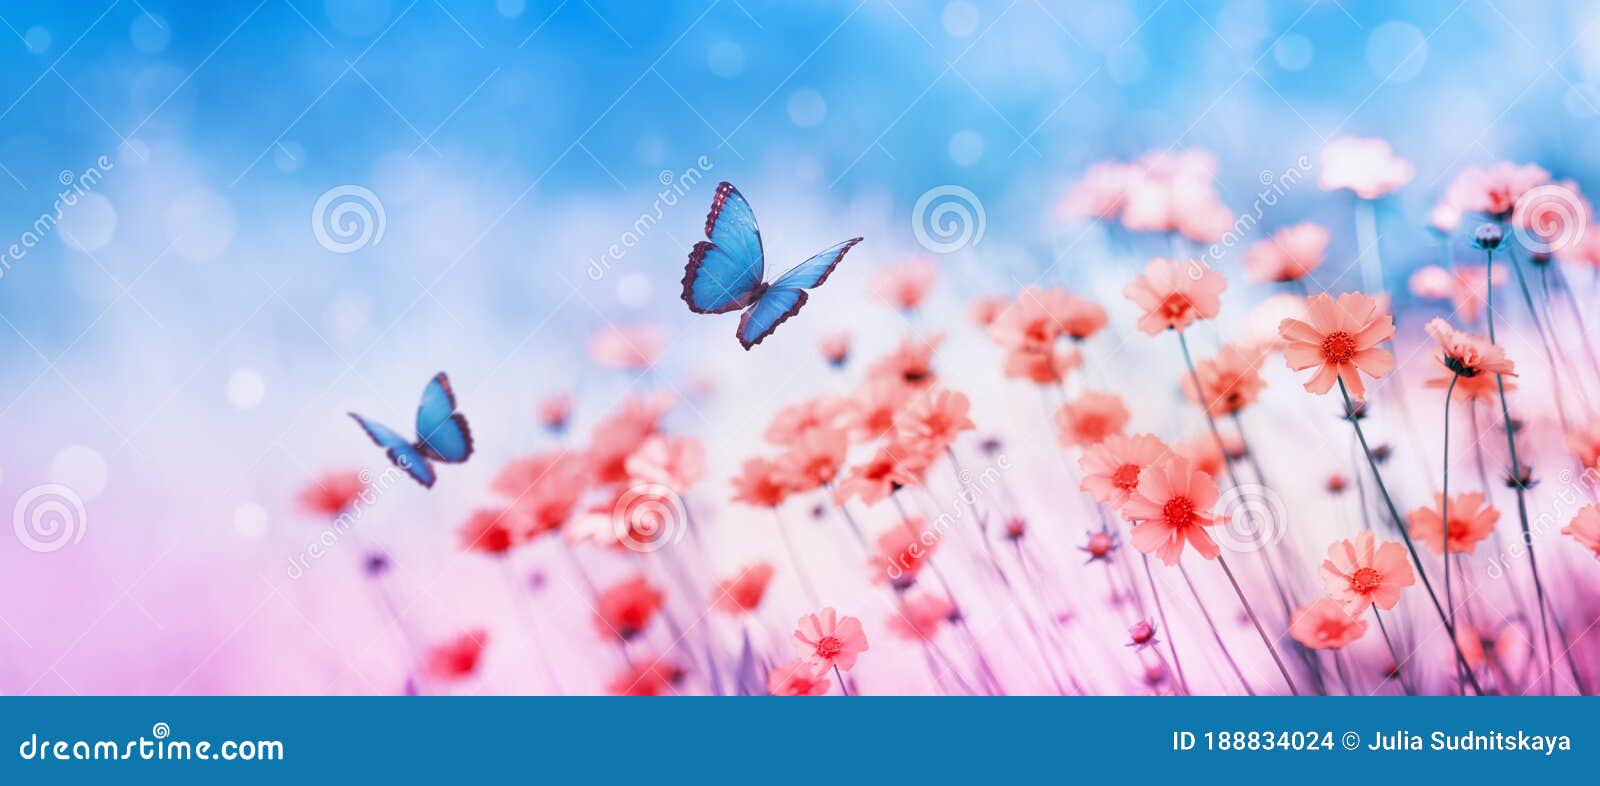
(897, 740)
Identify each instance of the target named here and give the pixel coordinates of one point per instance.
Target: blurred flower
(1090, 418)
(491, 531)
(1366, 166)
(1323, 624)
(332, 493)
(676, 463)
(796, 420)
(1360, 573)
(1229, 380)
(932, 420)
(798, 677)
(911, 362)
(457, 658)
(1493, 191)
(1583, 442)
(871, 409)
(1471, 520)
(1172, 504)
(1081, 317)
(906, 284)
(1101, 192)
(1444, 218)
(901, 552)
(621, 433)
(1111, 468)
(1288, 255)
(891, 468)
(984, 308)
(744, 592)
(760, 483)
(829, 640)
(1585, 528)
(1041, 364)
(1341, 338)
(835, 348)
(814, 460)
(1099, 545)
(646, 677)
(624, 609)
(543, 490)
(920, 615)
(554, 411)
(631, 347)
(1174, 294)
(1142, 634)
(1203, 453)
(1466, 288)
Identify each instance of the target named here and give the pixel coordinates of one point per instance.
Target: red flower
(624, 609)
(814, 460)
(1323, 624)
(491, 531)
(1090, 418)
(457, 658)
(905, 285)
(1173, 294)
(902, 551)
(1229, 381)
(798, 677)
(829, 640)
(648, 677)
(743, 592)
(921, 615)
(932, 421)
(1172, 504)
(911, 362)
(760, 483)
(332, 493)
(891, 468)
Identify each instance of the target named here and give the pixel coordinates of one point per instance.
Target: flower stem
(843, 688)
(1215, 635)
(1394, 513)
(1444, 510)
(1183, 682)
(1394, 654)
(794, 558)
(1257, 622)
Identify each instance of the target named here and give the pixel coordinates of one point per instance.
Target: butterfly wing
(442, 432)
(724, 271)
(400, 450)
(785, 296)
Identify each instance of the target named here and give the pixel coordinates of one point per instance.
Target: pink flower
(743, 593)
(1583, 442)
(985, 308)
(1090, 418)
(905, 285)
(798, 677)
(621, 433)
(1470, 362)
(796, 420)
(830, 641)
(1229, 381)
(1289, 255)
(1585, 528)
(902, 551)
(814, 460)
(1172, 504)
(872, 407)
(1360, 573)
(1101, 192)
(1035, 319)
(554, 411)
(491, 530)
(1466, 289)
(1366, 166)
(457, 658)
(1493, 191)
(1341, 339)
(646, 677)
(893, 467)
(760, 483)
(332, 493)
(676, 463)
(1323, 624)
(625, 608)
(931, 421)
(1111, 468)
(835, 348)
(912, 362)
(1173, 294)
(543, 490)
(1471, 520)
(631, 347)
(921, 615)
(1201, 451)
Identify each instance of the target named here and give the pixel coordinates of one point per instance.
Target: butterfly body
(442, 434)
(726, 271)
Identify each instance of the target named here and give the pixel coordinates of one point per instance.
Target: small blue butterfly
(727, 273)
(442, 433)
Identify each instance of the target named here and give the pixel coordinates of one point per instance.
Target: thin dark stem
(1394, 654)
(1257, 622)
(1405, 536)
(1215, 634)
(842, 686)
(794, 558)
(1444, 510)
(1183, 682)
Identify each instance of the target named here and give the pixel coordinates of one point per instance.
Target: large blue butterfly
(442, 433)
(726, 271)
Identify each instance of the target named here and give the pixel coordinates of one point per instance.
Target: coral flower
(491, 531)
(1471, 520)
(902, 551)
(921, 615)
(554, 411)
(1041, 364)
(893, 467)
(1360, 573)
(1111, 468)
(1472, 363)
(911, 362)
(931, 421)
(457, 658)
(744, 592)
(905, 285)
(1174, 294)
(1364, 165)
(760, 483)
(798, 677)
(1493, 191)
(796, 420)
(1467, 289)
(1323, 625)
(1229, 381)
(984, 309)
(1172, 504)
(1583, 442)
(619, 434)
(829, 640)
(872, 407)
(835, 348)
(1202, 452)
(627, 346)
(647, 677)
(624, 609)
(675, 463)
(1033, 320)
(332, 493)
(814, 460)
(1341, 339)
(1585, 528)
(1101, 192)
(1081, 318)
(1289, 255)
(1090, 418)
